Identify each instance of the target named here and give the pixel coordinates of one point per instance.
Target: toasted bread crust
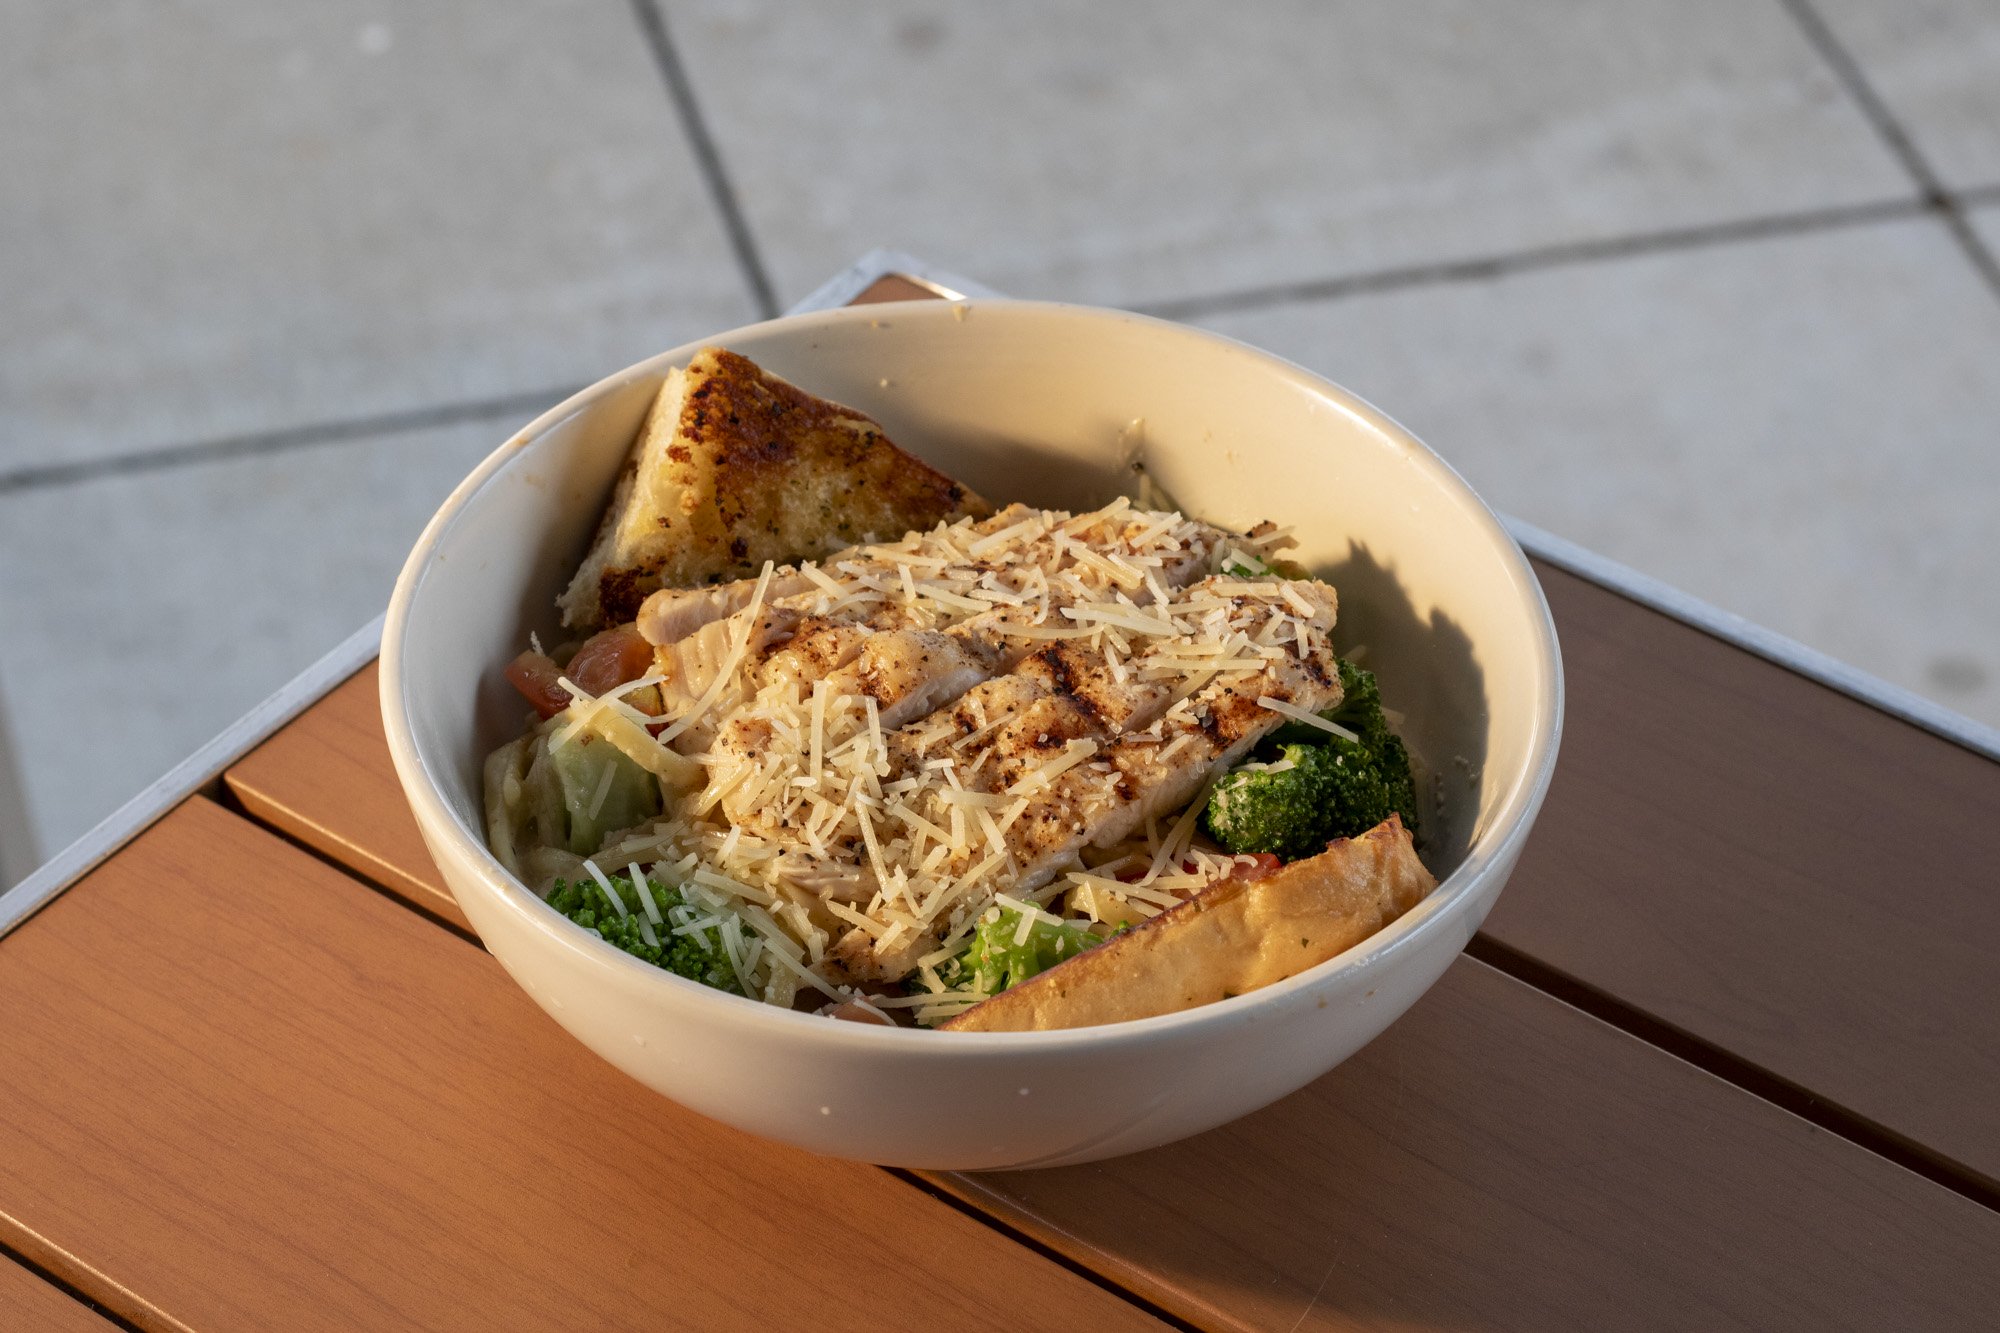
(734, 467)
(1231, 938)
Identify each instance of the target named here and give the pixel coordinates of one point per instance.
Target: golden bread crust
(735, 466)
(1226, 940)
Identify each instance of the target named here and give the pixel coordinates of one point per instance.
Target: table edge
(193, 774)
(1800, 659)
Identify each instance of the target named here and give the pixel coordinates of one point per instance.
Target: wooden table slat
(1497, 1159)
(320, 780)
(894, 288)
(244, 1091)
(1774, 867)
(1489, 1126)
(1732, 882)
(31, 1305)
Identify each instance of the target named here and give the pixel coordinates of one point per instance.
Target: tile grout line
(653, 22)
(257, 443)
(1975, 247)
(1560, 255)
(339, 430)
(1827, 44)
(1844, 67)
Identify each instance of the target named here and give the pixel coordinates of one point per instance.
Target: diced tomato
(857, 1013)
(610, 658)
(536, 677)
(1264, 864)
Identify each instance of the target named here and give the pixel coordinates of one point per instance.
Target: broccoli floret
(1258, 809)
(1360, 699)
(1367, 782)
(1359, 710)
(996, 962)
(1331, 788)
(991, 961)
(697, 955)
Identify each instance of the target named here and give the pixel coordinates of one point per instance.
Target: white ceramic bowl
(1042, 403)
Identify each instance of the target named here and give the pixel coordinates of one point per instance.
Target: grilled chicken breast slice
(1062, 705)
(1109, 798)
(912, 672)
(671, 614)
(674, 613)
(690, 666)
(1125, 780)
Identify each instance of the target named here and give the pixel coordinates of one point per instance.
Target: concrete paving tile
(1802, 431)
(1986, 221)
(1127, 153)
(224, 219)
(20, 847)
(1936, 63)
(147, 611)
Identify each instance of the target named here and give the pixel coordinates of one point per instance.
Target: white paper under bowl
(1036, 403)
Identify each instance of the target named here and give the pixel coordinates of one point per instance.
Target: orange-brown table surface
(245, 1091)
(1724, 1056)
(1756, 872)
(1499, 1157)
(28, 1302)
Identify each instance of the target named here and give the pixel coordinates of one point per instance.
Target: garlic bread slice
(735, 466)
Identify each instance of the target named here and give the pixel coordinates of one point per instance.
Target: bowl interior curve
(1050, 405)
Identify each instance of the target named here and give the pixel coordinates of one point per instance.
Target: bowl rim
(1494, 846)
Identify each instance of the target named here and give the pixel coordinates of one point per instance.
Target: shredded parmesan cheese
(804, 794)
(737, 646)
(1307, 716)
(617, 903)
